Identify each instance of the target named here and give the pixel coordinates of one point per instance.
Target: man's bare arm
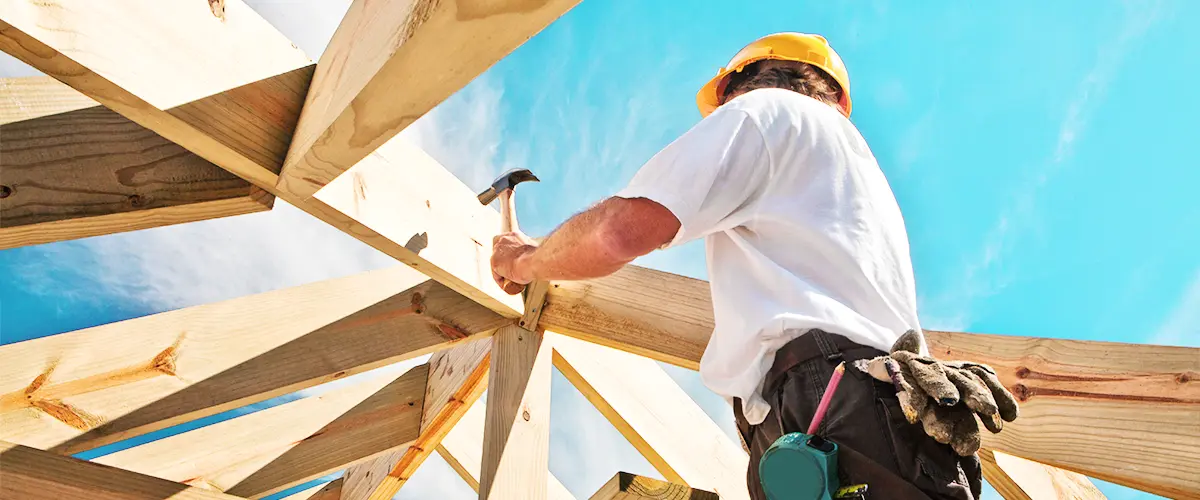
(594, 243)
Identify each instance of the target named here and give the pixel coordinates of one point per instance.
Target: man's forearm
(601, 240)
(577, 250)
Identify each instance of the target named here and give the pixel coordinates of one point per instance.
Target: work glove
(944, 396)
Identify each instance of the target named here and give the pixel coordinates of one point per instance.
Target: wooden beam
(516, 435)
(657, 417)
(33, 97)
(230, 91)
(271, 450)
(423, 216)
(243, 88)
(626, 486)
(463, 450)
(1080, 399)
(31, 474)
(364, 93)
(1018, 479)
(78, 390)
(457, 377)
(655, 314)
(74, 169)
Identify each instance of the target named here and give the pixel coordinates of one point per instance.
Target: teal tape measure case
(799, 466)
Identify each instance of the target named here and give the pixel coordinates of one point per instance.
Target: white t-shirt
(801, 230)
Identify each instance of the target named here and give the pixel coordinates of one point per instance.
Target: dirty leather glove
(944, 396)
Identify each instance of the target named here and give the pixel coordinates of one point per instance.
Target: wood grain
(74, 173)
(31, 474)
(136, 64)
(626, 486)
(78, 390)
(655, 415)
(457, 377)
(32, 97)
(659, 315)
(363, 92)
(516, 436)
(462, 449)
(444, 231)
(1080, 399)
(1019, 479)
(268, 451)
(244, 121)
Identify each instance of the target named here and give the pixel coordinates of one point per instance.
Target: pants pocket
(932, 466)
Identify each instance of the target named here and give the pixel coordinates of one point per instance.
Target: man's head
(800, 62)
(789, 75)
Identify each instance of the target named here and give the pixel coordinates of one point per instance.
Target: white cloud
(1182, 326)
(178, 266)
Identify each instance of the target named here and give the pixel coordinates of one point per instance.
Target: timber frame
(134, 129)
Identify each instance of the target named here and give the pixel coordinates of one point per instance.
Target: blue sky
(1042, 154)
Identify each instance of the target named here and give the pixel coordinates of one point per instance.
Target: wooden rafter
(463, 450)
(364, 92)
(73, 169)
(655, 415)
(1079, 399)
(659, 315)
(1018, 479)
(32, 474)
(230, 91)
(626, 486)
(516, 435)
(445, 233)
(268, 451)
(243, 88)
(111, 382)
(457, 377)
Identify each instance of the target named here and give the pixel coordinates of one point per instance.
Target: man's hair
(795, 76)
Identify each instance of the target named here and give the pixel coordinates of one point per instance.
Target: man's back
(801, 228)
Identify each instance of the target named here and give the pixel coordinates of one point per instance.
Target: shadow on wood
(626, 486)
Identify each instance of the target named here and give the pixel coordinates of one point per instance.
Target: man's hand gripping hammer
(503, 188)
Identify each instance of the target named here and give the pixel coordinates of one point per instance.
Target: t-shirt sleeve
(708, 175)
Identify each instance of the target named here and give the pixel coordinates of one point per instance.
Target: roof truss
(235, 96)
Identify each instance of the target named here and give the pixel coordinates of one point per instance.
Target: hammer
(502, 188)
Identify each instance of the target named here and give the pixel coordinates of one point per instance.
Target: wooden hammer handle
(508, 224)
(508, 212)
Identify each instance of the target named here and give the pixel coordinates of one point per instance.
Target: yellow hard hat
(800, 47)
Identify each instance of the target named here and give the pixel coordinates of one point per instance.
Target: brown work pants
(876, 445)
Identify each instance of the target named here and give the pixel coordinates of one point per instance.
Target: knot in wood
(1022, 372)
(418, 303)
(136, 200)
(5, 191)
(525, 415)
(1021, 392)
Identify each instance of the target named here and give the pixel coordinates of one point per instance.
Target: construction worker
(809, 265)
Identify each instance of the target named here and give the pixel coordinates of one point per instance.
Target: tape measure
(803, 465)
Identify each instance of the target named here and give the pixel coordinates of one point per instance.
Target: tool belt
(814, 343)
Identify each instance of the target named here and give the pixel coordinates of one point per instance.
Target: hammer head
(507, 180)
